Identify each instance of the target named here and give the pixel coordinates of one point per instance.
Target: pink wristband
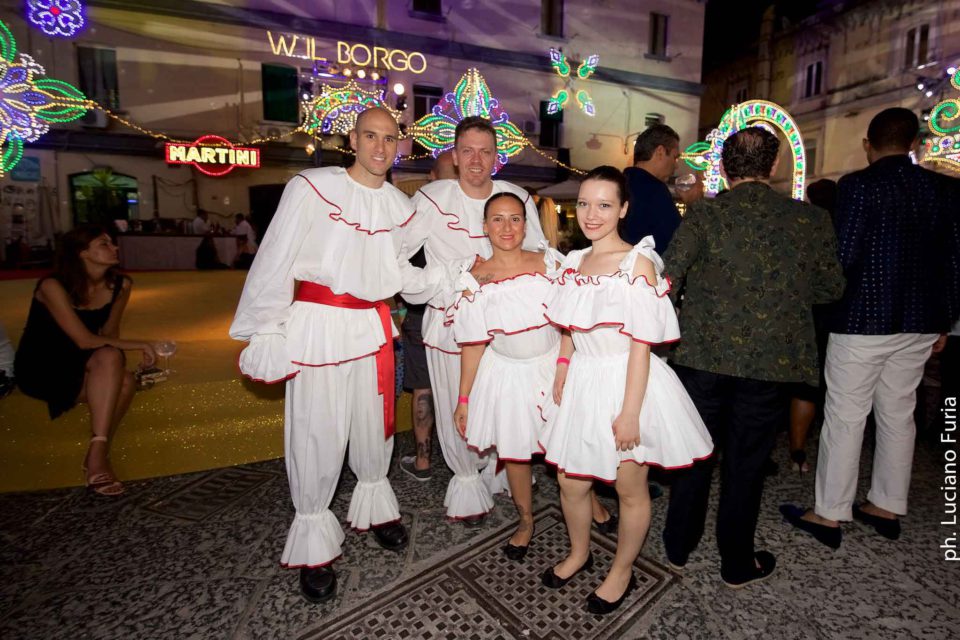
(463, 400)
(563, 360)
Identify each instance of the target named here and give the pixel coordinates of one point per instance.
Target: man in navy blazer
(897, 238)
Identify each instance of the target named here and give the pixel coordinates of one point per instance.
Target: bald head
(380, 115)
(443, 167)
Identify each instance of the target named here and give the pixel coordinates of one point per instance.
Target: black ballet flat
(552, 581)
(600, 607)
(609, 525)
(514, 552)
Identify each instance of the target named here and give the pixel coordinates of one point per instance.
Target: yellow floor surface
(205, 416)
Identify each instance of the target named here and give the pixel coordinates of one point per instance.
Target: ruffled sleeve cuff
(649, 316)
(266, 359)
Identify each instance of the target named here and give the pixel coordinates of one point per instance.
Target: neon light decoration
(212, 155)
(63, 18)
(335, 110)
(556, 103)
(705, 156)
(471, 97)
(942, 146)
(29, 102)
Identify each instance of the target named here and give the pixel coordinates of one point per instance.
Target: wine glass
(165, 349)
(685, 182)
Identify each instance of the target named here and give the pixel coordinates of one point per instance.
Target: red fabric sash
(312, 292)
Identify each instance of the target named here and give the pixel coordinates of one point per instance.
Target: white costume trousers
(327, 408)
(881, 372)
(467, 494)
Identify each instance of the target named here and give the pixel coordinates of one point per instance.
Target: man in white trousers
(897, 241)
(311, 311)
(448, 224)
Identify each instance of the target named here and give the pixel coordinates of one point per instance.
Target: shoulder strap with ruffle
(645, 248)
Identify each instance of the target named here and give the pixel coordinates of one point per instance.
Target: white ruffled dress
(604, 314)
(519, 361)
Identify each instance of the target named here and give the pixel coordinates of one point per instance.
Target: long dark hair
(68, 267)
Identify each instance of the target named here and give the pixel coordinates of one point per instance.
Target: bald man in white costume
(449, 225)
(311, 311)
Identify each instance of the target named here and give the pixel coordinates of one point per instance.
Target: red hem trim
(376, 526)
(572, 327)
(449, 353)
(456, 218)
(649, 464)
(333, 364)
(336, 215)
(579, 279)
(310, 566)
(475, 515)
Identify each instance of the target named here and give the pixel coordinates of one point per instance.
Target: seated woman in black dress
(71, 349)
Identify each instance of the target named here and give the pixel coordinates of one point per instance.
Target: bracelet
(563, 360)
(463, 400)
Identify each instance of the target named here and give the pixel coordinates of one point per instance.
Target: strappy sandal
(104, 484)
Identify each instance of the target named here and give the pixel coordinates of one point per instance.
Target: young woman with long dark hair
(71, 351)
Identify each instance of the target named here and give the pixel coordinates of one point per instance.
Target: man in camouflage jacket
(750, 264)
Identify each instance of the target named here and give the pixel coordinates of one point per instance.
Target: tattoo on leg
(423, 450)
(423, 412)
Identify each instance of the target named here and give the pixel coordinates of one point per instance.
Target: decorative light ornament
(556, 103)
(29, 103)
(335, 110)
(942, 146)
(63, 18)
(705, 156)
(471, 97)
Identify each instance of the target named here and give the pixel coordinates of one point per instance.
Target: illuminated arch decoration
(556, 103)
(335, 110)
(705, 156)
(59, 18)
(942, 146)
(29, 102)
(471, 97)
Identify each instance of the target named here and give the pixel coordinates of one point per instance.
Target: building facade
(837, 69)
(240, 69)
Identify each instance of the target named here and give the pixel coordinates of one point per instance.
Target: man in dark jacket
(652, 212)
(897, 237)
(751, 263)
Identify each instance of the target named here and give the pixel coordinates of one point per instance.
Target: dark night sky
(732, 26)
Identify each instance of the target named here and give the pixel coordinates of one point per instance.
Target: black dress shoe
(515, 552)
(830, 536)
(553, 581)
(318, 584)
(392, 537)
(599, 606)
(767, 563)
(609, 525)
(889, 528)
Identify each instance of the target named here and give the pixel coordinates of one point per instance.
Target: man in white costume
(310, 311)
(449, 225)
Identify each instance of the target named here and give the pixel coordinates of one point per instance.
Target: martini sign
(212, 155)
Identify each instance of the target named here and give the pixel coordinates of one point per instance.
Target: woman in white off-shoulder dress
(508, 353)
(615, 407)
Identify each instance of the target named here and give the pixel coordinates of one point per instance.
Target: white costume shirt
(200, 226)
(332, 231)
(245, 229)
(448, 224)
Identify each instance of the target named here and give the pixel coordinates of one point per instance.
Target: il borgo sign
(212, 155)
(359, 55)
